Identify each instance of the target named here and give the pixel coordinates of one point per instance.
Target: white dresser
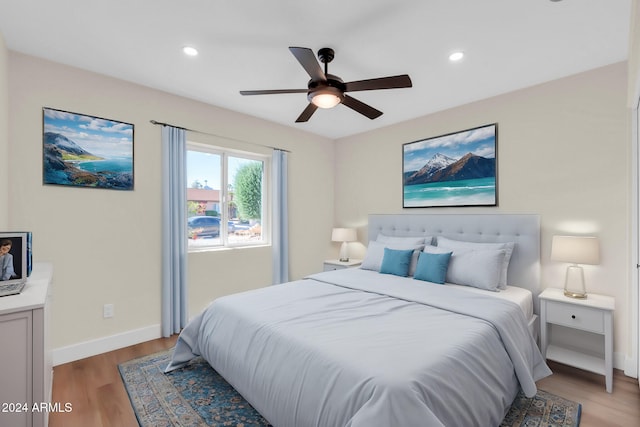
(26, 369)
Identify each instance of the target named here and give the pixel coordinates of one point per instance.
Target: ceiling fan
(326, 90)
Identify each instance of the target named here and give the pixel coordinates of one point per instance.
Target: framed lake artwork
(86, 151)
(457, 169)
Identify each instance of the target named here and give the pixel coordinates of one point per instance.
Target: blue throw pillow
(432, 267)
(396, 261)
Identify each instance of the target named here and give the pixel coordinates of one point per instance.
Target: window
(226, 197)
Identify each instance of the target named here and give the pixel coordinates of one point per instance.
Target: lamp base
(574, 283)
(344, 252)
(574, 295)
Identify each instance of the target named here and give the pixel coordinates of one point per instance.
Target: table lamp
(575, 250)
(344, 235)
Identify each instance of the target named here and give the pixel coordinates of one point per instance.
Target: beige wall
(105, 245)
(4, 134)
(563, 153)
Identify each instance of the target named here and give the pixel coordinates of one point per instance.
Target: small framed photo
(457, 169)
(86, 151)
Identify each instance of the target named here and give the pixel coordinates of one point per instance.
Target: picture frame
(453, 170)
(81, 150)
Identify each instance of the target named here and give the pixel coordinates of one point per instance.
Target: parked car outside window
(201, 227)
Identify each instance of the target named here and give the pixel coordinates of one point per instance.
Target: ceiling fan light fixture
(327, 97)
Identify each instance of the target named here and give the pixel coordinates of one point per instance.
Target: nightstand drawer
(334, 264)
(331, 267)
(584, 318)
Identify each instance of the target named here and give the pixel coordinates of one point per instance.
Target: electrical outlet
(107, 311)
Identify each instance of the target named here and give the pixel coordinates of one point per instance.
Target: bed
(358, 347)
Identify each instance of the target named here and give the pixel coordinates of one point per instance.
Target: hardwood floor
(94, 387)
(599, 408)
(99, 399)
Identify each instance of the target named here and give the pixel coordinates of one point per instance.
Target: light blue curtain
(174, 239)
(280, 228)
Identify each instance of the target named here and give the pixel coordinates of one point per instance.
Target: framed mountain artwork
(457, 169)
(86, 151)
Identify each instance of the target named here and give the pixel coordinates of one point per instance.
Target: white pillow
(435, 250)
(475, 246)
(479, 269)
(404, 240)
(375, 252)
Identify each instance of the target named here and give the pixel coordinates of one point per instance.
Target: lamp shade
(344, 235)
(575, 249)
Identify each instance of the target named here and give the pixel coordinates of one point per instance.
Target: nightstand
(594, 315)
(334, 264)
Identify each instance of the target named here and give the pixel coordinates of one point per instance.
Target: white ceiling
(243, 45)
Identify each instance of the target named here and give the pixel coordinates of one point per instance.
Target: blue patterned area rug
(197, 396)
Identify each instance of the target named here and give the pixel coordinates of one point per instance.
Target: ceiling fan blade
(307, 59)
(307, 113)
(393, 82)
(361, 107)
(271, 92)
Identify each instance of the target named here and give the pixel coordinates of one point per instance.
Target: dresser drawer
(584, 318)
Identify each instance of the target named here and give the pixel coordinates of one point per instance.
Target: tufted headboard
(523, 230)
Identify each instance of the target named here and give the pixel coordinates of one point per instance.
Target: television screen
(14, 257)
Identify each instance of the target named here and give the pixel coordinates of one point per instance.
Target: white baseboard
(102, 345)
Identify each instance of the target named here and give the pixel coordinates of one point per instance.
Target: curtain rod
(155, 122)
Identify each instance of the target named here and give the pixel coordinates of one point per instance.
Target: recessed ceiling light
(190, 51)
(456, 56)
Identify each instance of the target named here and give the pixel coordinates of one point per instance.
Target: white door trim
(632, 368)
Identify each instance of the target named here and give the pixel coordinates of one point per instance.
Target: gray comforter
(356, 348)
